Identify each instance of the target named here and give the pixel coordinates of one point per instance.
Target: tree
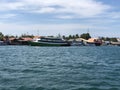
(1, 36)
(73, 37)
(77, 36)
(63, 37)
(107, 39)
(25, 36)
(9, 36)
(85, 36)
(70, 37)
(114, 39)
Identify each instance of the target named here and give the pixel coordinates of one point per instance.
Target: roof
(92, 40)
(36, 37)
(12, 39)
(71, 39)
(27, 39)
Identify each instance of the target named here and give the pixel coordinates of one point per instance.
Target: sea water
(59, 68)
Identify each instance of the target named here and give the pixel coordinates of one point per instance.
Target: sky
(53, 17)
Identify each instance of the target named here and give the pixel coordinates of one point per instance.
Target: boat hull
(93, 44)
(47, 44)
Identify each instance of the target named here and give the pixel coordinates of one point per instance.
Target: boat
(93, 42)
(49, 41)
(2, 43)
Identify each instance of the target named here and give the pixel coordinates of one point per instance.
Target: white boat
(2, 43)
(49, 41)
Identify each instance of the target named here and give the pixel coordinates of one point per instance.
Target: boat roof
(51, 38)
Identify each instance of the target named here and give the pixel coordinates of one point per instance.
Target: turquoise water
(59, 68)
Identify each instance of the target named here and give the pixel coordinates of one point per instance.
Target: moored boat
(93, 42)
(49, 41)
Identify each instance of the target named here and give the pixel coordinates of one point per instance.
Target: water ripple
(59, 68)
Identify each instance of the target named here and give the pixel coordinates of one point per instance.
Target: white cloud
(5, 6)
(101, 16)
(65, 16)
(78, 8)
(44, 10)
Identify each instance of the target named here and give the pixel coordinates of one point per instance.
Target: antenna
(38, 32)
(27, 33)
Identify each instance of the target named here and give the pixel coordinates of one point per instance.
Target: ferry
(49, 41)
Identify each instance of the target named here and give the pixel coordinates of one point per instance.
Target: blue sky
(53, 17)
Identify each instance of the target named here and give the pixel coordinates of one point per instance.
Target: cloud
(44, 10)
(84, 14)
(6, 6)
(65, 16)
(77, 8)
(6, 16)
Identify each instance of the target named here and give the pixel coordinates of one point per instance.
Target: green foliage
(63, 37)
(70, 37)
(77, 36)
(114, 39)
(85, 36)
(9, 36)
(1, 36)
(73, 37)
(25, 36)
(109, 39)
